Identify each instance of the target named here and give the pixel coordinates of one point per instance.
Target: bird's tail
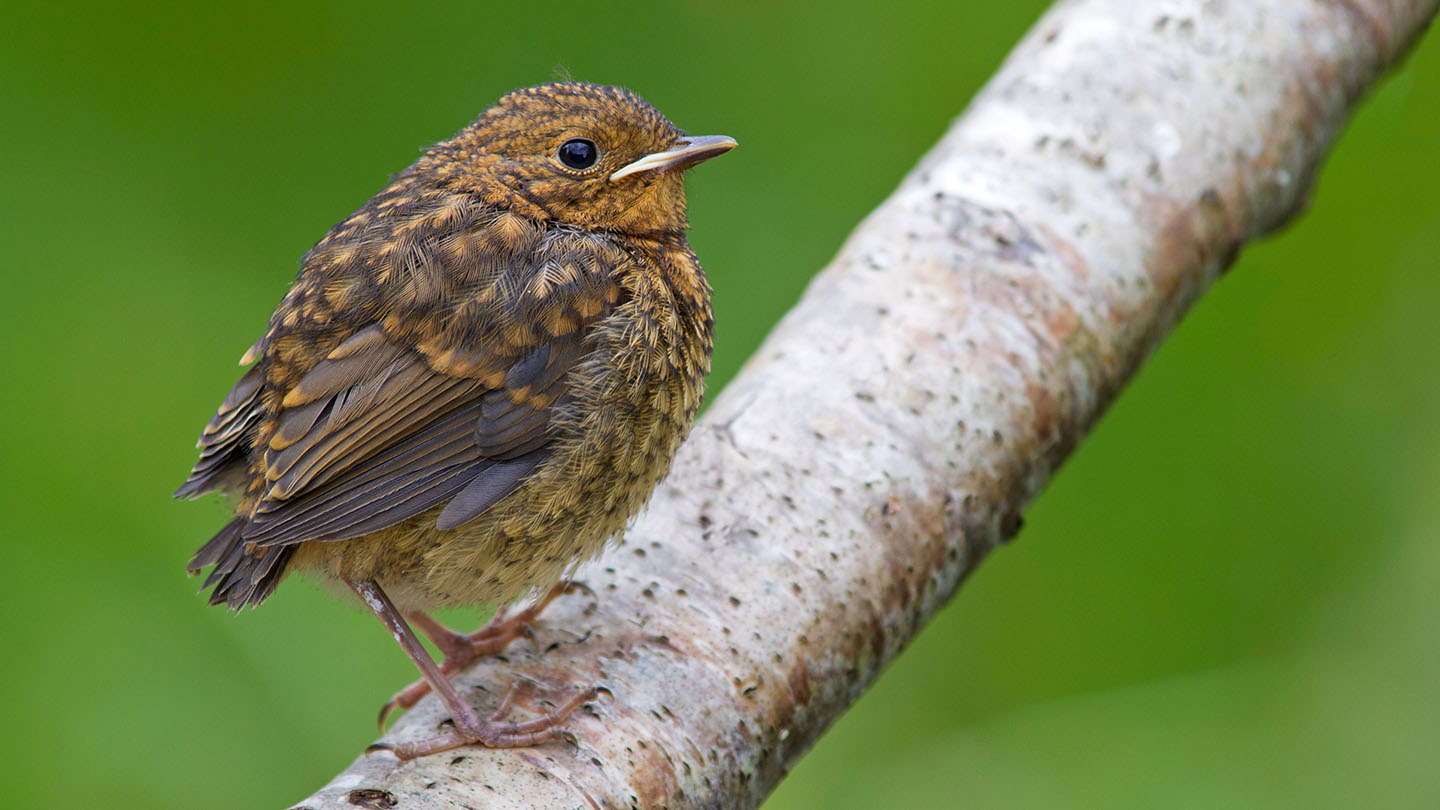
(244, 573)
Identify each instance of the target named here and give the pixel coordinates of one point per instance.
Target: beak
(686, 152)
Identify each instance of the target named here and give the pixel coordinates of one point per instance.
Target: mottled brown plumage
(479, 376)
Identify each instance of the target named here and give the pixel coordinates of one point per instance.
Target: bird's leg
(468, 727)
(460, 649)
(374, 598)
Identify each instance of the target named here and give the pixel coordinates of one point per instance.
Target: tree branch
(895, 424)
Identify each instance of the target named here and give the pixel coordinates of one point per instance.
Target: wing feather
(446, 451)
(225, 443)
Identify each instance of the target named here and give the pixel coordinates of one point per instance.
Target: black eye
(578, 153)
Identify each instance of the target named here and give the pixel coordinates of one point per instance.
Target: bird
(475, 381)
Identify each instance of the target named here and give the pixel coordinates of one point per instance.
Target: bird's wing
(447, 393)
(375, 434)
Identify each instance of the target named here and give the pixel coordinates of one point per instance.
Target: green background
(1231, 594)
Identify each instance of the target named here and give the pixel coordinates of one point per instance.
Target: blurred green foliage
(1230, 595)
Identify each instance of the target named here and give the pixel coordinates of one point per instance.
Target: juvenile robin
(475, 381)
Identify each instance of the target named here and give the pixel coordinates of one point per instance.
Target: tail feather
(244, 573)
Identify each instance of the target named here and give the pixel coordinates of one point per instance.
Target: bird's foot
(460, 649)
(495, 732)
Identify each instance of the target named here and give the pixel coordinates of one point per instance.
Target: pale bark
(896, 423)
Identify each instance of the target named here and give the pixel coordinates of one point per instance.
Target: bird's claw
(497, 733)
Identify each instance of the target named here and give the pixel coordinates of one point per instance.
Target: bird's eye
(578, 153)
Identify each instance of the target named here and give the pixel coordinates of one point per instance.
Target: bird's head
(587, 155)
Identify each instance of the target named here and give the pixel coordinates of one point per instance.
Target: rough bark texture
(896, 423)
